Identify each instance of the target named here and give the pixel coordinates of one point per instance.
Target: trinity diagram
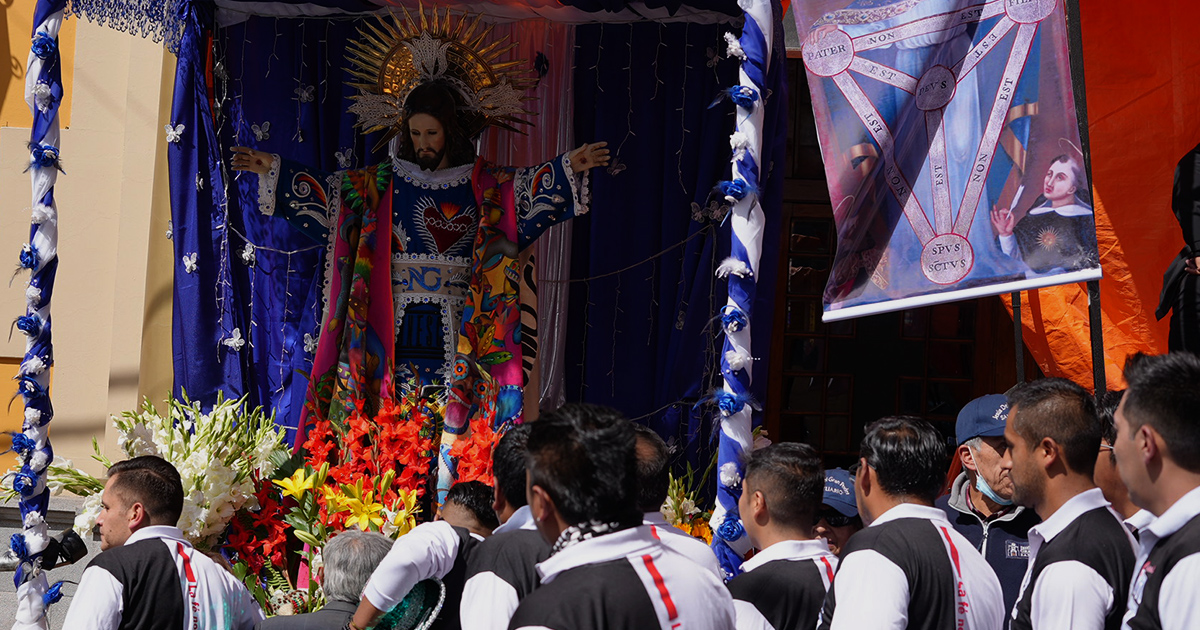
(933, 84)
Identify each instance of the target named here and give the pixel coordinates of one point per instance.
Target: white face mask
(982, 486)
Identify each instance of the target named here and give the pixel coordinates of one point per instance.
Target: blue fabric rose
(30, 325)
(29, 256)
(18, 546)
(737, 189)
(44, 46)
(44, 155)
(733, 319)
(30, 388)
(22, 444)
(53, 594)
(25, 483)
(729, 404)
(731, 528)
(744, 96)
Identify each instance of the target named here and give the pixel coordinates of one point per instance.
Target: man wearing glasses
(980, 504)
(838, 517)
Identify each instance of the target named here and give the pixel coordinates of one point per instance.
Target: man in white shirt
(439, 550)
(908, 568)
(606, 570)
(654, 479)
(1158, 456)
(503, 570)
(783, 586)
(148, 576)
(1080, 555)
(1106, 475)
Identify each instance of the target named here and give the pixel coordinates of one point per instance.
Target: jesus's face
(428, 141)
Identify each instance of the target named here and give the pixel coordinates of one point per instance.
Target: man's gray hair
(350, 559)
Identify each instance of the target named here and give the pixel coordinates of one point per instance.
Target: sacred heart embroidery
(445, 225)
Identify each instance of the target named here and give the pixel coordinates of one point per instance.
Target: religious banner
(951, 148)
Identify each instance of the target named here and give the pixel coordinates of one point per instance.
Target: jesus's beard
(430, 162)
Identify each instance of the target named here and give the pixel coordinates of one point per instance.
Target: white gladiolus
(88, 513)
(217, 455)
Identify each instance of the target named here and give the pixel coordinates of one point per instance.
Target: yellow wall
(110, 341)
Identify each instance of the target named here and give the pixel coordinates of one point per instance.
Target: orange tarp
(1143, 102)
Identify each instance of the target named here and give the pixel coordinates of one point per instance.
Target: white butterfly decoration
(189, 262)
(234, 341)
(310, 343)
(343, 157)
(174, 133)
(248, 255)
(304, 93)
(261, 132)
(170, 229)
(199, 182)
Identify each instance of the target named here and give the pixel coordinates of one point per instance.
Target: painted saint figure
(1059, 233)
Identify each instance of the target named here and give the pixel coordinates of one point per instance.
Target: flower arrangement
(248, 497)
(681, 509)
(222, 457)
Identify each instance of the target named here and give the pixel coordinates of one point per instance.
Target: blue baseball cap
(983, 417)
(839, 492)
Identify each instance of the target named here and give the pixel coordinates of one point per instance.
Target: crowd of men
(1060, 510)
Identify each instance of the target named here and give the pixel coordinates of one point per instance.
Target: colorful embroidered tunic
(437, 300)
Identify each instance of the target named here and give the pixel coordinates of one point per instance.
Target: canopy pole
(43, 93)
(1078, 86)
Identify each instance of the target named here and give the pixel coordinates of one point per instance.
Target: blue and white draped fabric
(43, 93)
(734, 401)
(161, 20)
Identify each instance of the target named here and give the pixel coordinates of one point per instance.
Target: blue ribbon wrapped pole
(39, 258)
(730, 542)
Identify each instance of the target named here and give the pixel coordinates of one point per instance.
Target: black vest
(1098, 540)
(513, 557)
(1165, 555)
(787, 593)
(151, 596)
(604, 596)
(455, 580)
(914, 545)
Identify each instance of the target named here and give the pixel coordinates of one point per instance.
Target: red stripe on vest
(953, 550)
(828, 568)
(187, 563)
(672, 613)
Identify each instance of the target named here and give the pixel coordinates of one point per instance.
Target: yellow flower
(334, 500)
(406, 513)
(297, 484)
(700, 529)
(364, 512)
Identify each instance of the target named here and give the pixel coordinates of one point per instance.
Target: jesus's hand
(247, 159)
(588, 156)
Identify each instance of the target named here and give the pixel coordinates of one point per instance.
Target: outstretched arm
(588, 156)
(247, 159)
(303, 196)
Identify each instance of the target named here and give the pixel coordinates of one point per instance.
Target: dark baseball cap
(839, 491)
(983, 417)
